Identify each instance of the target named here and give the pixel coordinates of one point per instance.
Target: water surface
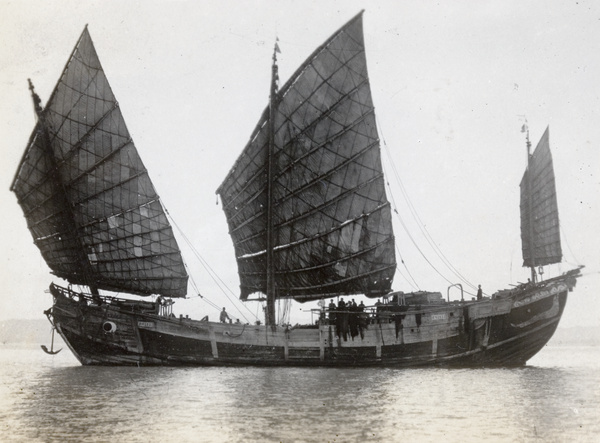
(52, 398)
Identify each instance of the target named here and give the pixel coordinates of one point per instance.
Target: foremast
(42, 132)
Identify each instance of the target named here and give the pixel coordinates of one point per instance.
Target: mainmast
(273, 99)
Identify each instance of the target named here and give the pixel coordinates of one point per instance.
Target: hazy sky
(451, 83)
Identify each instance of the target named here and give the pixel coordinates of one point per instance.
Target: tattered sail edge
(249, 182)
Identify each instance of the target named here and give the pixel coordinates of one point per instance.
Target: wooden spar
(270, 313)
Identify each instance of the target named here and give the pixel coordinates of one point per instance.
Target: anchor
(51, 351)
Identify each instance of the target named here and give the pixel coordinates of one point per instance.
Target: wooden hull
(503, 331)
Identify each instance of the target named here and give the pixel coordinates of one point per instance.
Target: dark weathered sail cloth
(539, 210)
(87, 197)
(332, 229)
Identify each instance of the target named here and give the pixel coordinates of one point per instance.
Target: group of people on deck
(348, 318)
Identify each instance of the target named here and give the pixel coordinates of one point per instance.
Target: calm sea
(51, 398)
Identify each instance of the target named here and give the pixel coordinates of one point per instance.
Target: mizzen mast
(530, 207)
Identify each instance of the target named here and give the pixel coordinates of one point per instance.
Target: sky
(452, 83)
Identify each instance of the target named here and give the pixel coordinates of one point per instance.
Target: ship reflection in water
(48, 400)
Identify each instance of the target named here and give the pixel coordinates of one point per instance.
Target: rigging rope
(216, 279)
(421, 225)
(568, 245)
(395, 207)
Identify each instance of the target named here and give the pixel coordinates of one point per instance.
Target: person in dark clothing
(362, 319)
(479, 293)
(377, 306)
(353, 318)
(342, 320)
(332, 313)
(224, 316)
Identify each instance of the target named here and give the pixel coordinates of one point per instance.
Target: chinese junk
(307, 212)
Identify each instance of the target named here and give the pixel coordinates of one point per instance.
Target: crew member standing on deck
(342, 320)
(479, 293)
(224, 316)
(332, 308)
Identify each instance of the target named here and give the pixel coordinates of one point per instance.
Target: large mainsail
(540, 232)
(87, 197)
(331, 221)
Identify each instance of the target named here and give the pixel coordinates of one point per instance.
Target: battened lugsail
(331, 221)
(540, 233)
(87, 197)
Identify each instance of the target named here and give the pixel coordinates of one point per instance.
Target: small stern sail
(540, 232)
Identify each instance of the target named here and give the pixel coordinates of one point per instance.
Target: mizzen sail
(86, 195)
(540, 232)
(331, 221)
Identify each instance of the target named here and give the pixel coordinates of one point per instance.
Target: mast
(43, 132)
(530, 208)
(270, 313)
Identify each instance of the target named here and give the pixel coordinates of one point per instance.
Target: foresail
(331, 218)
(539, 210)
(87, 197)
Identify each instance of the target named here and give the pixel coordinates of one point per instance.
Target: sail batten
(301, 216)
(299, 191)
(330, 219)
(89, 203)
(249, 200)
(540, 228)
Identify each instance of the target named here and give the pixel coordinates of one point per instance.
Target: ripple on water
(53, 399)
